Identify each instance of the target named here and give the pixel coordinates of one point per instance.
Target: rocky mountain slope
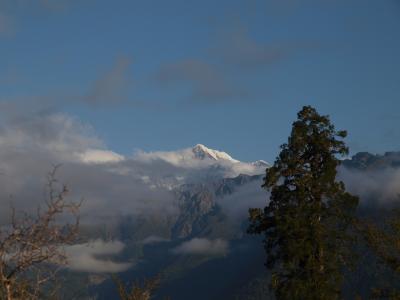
(367, 161)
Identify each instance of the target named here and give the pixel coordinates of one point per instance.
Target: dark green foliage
(384, 241)
(306, 223)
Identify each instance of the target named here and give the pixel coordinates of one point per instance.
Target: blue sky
(164, 75)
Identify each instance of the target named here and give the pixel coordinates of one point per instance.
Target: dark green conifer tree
(384, 241)
(307, 219)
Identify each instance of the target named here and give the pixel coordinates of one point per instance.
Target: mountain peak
(202, 152)
(261, 163)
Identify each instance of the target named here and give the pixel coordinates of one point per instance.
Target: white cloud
(85, 257)
(100, 156)
(380, 186)
(55, 134)
(202, 246)
(153, 239)
(237, 204)
(180, 158)
(114, 186)
(29, 146)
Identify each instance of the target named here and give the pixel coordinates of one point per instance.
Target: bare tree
(137, 291)
(31, 246)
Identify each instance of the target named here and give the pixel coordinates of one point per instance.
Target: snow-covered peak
(202, 152)
(261, 163)
(198, 162)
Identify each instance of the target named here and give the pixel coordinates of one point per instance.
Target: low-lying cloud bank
(113, 185)
(236, 205)
(202, 246)
(378, 186)
(196, 165)
(109, 183)
(90, 257)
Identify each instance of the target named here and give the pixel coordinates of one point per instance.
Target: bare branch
(31, 247)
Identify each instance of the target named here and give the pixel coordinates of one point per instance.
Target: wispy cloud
(154, 239)
(218, 75)
(96, 156)
(204, 80)
(111, 87)
(236, 205)
(380, 186)
(203, 246)
(238, 48)
(7, 26)
(54, 5)
(86, 257)
(57, 133)
(10, 11)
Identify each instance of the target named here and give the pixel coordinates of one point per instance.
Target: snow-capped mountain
(261, 163)
(170, 169)
(196, 156)
(201, 162)
(202, 152)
